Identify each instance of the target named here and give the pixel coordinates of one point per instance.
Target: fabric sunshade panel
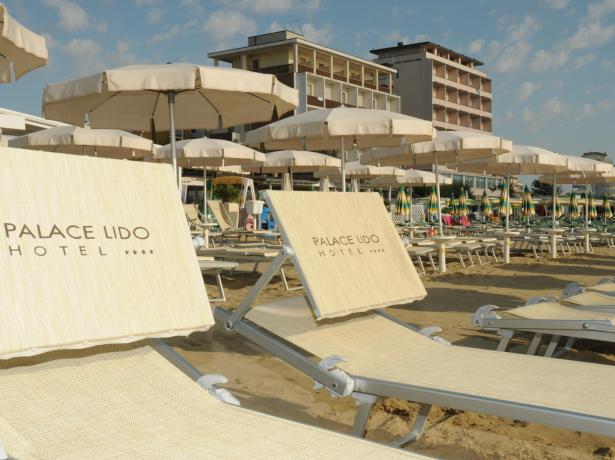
(346, 251)
(94, 251)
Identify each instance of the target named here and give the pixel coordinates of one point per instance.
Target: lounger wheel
(209, 382)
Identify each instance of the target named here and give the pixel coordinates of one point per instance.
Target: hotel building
(441, 85)
(325, 78)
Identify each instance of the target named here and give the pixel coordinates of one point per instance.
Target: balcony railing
(339, 76)
(355, 81)
(369, 85)
(383, 88)
(324, 72)
(305, 68)
(278, 69)
(331, 104)
(313, 100)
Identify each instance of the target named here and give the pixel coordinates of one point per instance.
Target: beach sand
(265, 383)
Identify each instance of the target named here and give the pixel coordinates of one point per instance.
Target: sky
(552, 62)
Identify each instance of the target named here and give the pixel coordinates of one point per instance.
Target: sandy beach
(265, 383)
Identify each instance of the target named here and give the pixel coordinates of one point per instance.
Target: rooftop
(287, 37)
(425, 46)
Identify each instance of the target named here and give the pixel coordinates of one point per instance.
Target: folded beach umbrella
(527, 205)
(591, 207)
(402, 207)
(433, 207)
(559, 211)
(452, 204)
(573, 207)
(21, 50)
(341, 128)
(505, 209)
(107, 143)
(485, 205)
(168, 97)
(462, 204)
(606, 204)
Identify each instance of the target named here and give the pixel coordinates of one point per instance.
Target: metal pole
(508, 191)
(553, 234)
(587, 241)
(343, 158)
(171, 99)
(435, 162)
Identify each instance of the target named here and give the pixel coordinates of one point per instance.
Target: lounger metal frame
(367, 391)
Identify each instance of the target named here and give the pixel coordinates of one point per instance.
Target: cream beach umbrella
(573, 207)
(169, 97)
(355, 171)
(447, 147)
(606, 205)
(107, 143)
(341, 128)
(21, 50)
(209, 153)
(486, 205)
(288, 162)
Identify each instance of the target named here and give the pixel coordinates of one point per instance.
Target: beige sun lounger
(82, 375)
(351, 261)
(545, 317)
(216, 267)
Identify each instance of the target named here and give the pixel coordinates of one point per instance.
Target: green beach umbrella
(452, 204)
(573, 207)
(485, 205)
(559, 211)
(504, 200)
(591, 205)
(432, 207)
(527, 205)
(608, 212)
(402, 206)
(463, 205)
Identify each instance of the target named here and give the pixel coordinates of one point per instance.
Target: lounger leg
(417, 430)
(506, 335)
(433, 265)
(480, 262)
(495, 254)
(461, 260)
(552, 346)
(470, 257)
(365, 402)
(535, 343)
(566, 348)
(222, 297)
(285, 281)
(420, 261)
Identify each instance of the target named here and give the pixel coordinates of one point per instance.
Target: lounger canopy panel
(346, 251)
(131, 402)
(92, 251)
(387, 358)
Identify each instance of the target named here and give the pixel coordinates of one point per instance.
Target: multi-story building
(13, 124)
(598, 190)
(441, 85)
(325, 78)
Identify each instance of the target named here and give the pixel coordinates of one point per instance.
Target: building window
(344, 97)
(310, 89)
(255, 65)
(457, 179)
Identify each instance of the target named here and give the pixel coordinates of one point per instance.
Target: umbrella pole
(553, 234)
(390, 200)
(171, 100)
(508, 192)
(206, 228)
(343, 158)
(435, 162)
(411, 231)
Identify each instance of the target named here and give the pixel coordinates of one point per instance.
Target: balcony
(339, 77)
(313, 100)
(277, 70)
(305, 68)
(369, 85)
(331, 104)
(355, 81)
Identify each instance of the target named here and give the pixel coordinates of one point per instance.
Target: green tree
(227, 193)
(544, 189)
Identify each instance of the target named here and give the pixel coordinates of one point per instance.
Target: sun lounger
(230, 232)
(215, 268)
(545, 317)
(82, 375)
(352, 262)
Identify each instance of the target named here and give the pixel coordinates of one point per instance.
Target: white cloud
(421, 38)
(527, 115)
(510, 115)
(510, 55)
(599, 9)
(587, 110)
(557, 4)
(72, 17)
(170, 32)
(585, 60)
(395, 36)
(548, 60)
(86, 55)
(272, 6)
(223, 25)
(122, 54)
(324, 35)
(154, 15)
(476, 46)
(554, 107)
(526, 90)
(590, 34)
(194, 5)
(275, 26)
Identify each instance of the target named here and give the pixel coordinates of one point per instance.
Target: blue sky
(552, 61)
